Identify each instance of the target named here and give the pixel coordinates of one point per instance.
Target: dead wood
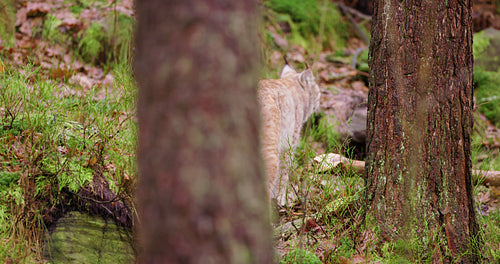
(327, 162)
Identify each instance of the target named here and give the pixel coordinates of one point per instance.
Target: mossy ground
(67, 122)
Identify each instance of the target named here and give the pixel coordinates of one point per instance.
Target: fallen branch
(488, 178)
(328, 162)
(348, 11)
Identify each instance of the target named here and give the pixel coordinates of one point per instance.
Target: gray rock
(346, 109)
(357, 127)
(80, 238)
(488, 56)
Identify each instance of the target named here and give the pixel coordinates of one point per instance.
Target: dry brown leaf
(90, 162)
(359, 259)
(62, 149)
(37, 8)
(483, 197)
(25, 28)
(21, 16)
(81, 80)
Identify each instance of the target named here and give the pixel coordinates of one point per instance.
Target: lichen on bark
(420, 102)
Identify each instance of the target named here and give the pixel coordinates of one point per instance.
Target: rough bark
(201, 190)
(418, 166)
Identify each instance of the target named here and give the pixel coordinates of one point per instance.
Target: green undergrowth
(110, 43)
(314, 25)
(300, 256)
(311, 19)
(491, 237)
(486, 78)
(487, 93)
(485, 156)
(333, 199)
(76, 7)
(106, 42)
(52, 140)
(320, 197)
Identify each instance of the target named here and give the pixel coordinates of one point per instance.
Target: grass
(108, 44)
(56, 136)
(487, 91)
(484, 155)
(333, 199)
(51, 141)
(330, 199)
(300, 256)
(491, 236)
(314, 25)
(51, 32)
(310, 19)
(104, 43)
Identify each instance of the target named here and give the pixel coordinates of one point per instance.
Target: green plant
(76, 7)
(111, 44)
(325, 133)
(480, 43)
(8, 178)
(300, 256)
(491, 236)
(91, 42)
(50, 30)
(346, 246)
(487, 91)
(484, 155)
(50, 142)
(487, 94)
(309, 18)
(120, 38)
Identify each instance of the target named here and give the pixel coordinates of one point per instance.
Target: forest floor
(67, 108)
(67, 113)
(325, 218)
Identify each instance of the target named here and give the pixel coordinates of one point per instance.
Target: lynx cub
(285, 103)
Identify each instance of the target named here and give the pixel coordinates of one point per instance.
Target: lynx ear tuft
(306, 78)
(287, 71)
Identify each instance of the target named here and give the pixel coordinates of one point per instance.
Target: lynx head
(307, 82)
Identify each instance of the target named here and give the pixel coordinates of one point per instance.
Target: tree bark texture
(201, 189)
(419, 123)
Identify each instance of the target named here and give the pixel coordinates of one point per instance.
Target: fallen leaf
(25, 28)
(21, 16)
(37, 8)
(91, 162)
(62, 149)
(359, 259)
(81, 80)
(309, 225)
(60, 74)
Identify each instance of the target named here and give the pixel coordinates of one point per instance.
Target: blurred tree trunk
(419, 123)
(201, 189)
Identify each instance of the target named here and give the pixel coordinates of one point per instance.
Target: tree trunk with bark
(201, 189)
(418, 183)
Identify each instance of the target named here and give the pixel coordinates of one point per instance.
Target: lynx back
(286, 104)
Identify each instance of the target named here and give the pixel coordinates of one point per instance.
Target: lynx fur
(286, 104)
